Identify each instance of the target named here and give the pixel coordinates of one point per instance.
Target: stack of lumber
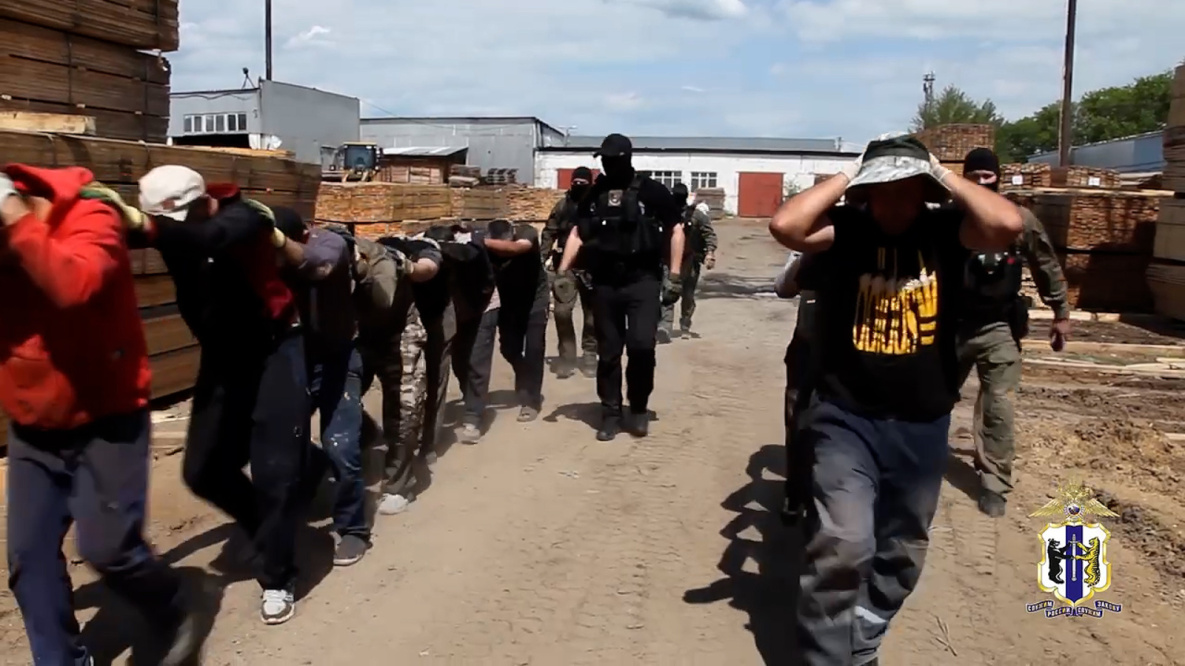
(529, 204)
(479, 204)
(1081, 176)
(1166, 276)
(1025, 175)
(464, 171)
(402, 228)
(368, 203)
(500, 177)
(951, 143)
(81, 57)
(1104, 240)
(714, 197)
(411, 175)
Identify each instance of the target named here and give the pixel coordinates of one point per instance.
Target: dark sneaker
(349, 550)
(640, 424)
(664, 336)
(565, 369)
(277, 606)
(609, 430)
(527, 414)
(588, 365)
(184, 644)
(992, 504)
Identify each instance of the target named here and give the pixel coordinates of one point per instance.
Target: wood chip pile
(531, 204)
(1166, 277)
(411, 175)
(479, 203)
(1080, 176)
(1028, 174)
(951, 143)
(81, 57)
(381, 202)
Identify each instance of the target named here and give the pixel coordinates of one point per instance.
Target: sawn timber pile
(50, 71)
(532, 204)
(1084, 177)
(951, 143)
(479, 203)
(1027, 174)
(1096, 220)
(139, 24)
(368, 203)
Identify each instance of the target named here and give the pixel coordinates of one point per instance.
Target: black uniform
(625, 228)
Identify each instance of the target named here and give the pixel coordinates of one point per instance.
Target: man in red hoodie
(251, 399)
(75, 381)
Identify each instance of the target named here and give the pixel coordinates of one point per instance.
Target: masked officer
(994, 320)
(699, 249)
(571, 286)
(626, 226)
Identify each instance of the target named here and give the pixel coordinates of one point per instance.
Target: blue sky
(802, 68)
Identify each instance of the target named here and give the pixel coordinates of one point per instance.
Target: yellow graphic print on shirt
(895, 315)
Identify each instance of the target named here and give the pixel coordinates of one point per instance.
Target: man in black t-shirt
(522, 318)
(887, 272)
(627, 226)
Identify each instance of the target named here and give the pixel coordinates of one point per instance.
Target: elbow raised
(783, 227)
(1011, 224)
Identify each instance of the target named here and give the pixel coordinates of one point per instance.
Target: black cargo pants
(626, 315)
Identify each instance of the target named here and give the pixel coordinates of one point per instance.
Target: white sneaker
(390, 505)
(277, 607)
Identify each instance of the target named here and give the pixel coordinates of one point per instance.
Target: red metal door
(759, 194)
(564, 177)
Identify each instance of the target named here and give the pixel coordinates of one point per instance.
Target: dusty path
(542, 546)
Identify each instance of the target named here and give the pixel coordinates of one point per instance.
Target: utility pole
(267, 38)
(928, 88)
(1065, 131)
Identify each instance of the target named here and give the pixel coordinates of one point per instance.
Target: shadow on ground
(758, 535)
(717, 284)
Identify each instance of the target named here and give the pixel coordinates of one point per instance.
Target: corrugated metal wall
(1131, 155)
(306, 119)
(492, 144)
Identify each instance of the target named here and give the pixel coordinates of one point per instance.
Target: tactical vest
(994, 276)
(621, 227)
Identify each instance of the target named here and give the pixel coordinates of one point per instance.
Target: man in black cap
(995, 319)
(571, 286)
(626, 226)
(887, 271)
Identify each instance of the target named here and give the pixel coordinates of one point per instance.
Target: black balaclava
(577, 190)
(618, 168)
(983, 159)
(679, 191)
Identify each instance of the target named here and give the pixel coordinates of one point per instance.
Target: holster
(1018, 319)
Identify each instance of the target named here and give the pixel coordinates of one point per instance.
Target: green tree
(1036, 133)
(953, 105)
(1112, 113)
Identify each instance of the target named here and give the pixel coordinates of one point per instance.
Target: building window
(702, 180)
(220, 123)
(232, 122)
(215, 123)
(188, 124)
(668, 178)
(242, 122)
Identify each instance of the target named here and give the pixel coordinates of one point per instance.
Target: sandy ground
(542, 546)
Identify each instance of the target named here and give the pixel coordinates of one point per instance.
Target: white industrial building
(756, 174)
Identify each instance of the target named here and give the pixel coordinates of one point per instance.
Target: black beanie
(582, 173)
(680, 191)
(981, 159)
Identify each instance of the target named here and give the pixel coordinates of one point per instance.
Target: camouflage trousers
(568, 289)
(995, 355)
(401, 366)
(690, 272)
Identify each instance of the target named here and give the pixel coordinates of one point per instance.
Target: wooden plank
(147, 262)
(1094, 220)
(952, 142)
(1089, 347)
(33, 80)
(1167, 283)
(124, 125)
(1107, 282)
(1170, 231)
(141, 24)
(381, 202)
(167, 333)
(114, 162)
(59, 123)
(1081, 176)
(31, 42)
(154, 290)
(174, 372)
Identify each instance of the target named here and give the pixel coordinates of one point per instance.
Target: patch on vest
(615, 197)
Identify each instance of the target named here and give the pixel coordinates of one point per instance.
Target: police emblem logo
(1074, 566)
(615, 197)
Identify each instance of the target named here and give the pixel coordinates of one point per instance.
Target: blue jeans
(875, 490)
(335, 384)
(96, 477)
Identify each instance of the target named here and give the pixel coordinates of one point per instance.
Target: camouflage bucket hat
(889, 159)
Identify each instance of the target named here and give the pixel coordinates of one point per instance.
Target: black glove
(673, 289)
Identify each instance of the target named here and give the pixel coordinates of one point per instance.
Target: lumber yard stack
(84, 57)
(1025, 175)
(532, 204)
(950, 143)
(1166, 275)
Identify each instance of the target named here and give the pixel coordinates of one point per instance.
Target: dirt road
(542, 546)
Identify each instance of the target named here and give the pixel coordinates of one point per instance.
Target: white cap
(168, 190)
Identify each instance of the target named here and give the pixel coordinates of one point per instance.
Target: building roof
(425, 151)
(711, 144)
(454, 120)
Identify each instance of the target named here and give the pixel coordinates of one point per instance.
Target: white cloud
(694, 89)
(848, 68)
